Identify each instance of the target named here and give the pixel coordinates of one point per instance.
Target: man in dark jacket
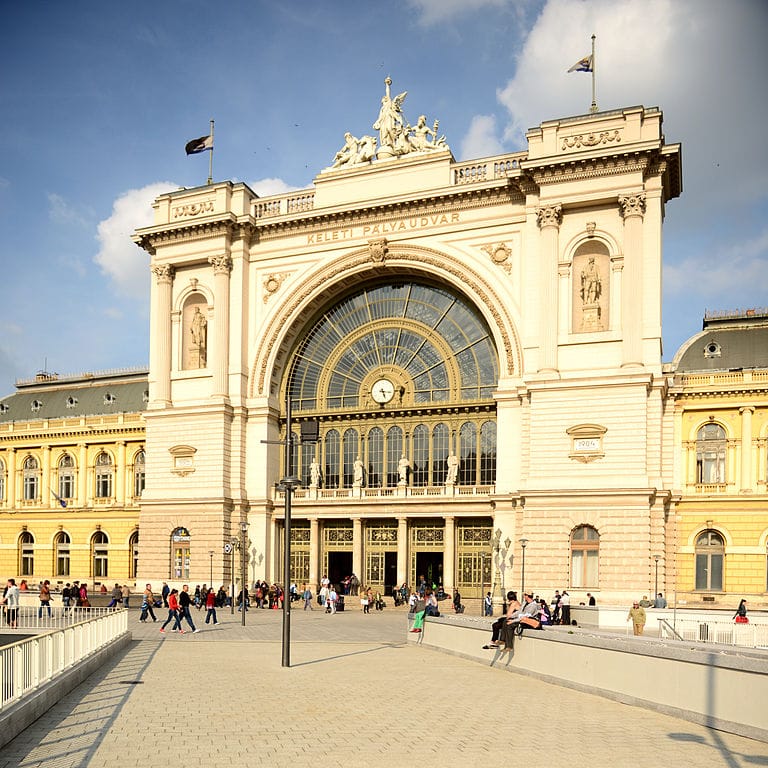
(184, 602)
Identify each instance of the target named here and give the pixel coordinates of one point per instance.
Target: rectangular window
(104, 485)
(66, 486)
(30, 487)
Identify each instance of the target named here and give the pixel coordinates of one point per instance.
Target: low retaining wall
(716, 686)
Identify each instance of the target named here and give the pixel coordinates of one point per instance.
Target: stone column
(11, 491)
(120, 472)
(219, 360)
(746, 449)
(549, 219)
(46, 497)
(160, 338)
(82, 478)
(402, 550)
(632, 209)
(449, 555)
(357, 547)
(314, 553)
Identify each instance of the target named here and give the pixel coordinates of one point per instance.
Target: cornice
(192, 231)
(585, 168)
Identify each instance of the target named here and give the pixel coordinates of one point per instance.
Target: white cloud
(433, 12)
(119, 257)
(267, 187)
(62, 212)
(481, 139)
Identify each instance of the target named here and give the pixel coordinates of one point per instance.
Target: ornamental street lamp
(656, 587)
(523, 544)
(244, 562)
(210, 554)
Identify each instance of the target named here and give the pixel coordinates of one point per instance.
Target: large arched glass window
(27, 554)
(332, 458)
(468, 454)
(104, 473)
(394, 452)
(133, 554)
(66, 477)
(139, 474)
(585, 550)
(710, 553)
(100, 555)
(375, 458)
(61, 553)
(31, 475)
(710, 454)
(351, 453)
(440, 439)
(420, 461)
(488, 453)
(181, 543)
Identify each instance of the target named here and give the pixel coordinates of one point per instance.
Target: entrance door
(390, 572)
(339, 566)
(430, 566)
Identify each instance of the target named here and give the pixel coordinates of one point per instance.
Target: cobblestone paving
(355, 695)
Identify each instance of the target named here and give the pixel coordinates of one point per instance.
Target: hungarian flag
(199, 145)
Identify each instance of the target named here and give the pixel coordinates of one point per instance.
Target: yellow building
(719, 398)
(71, 474)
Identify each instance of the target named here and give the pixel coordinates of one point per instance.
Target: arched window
(31, 474)
(585, 549)
(26, 554)
(61, 552)
(307, 454)
(710, 551)
(488, 453)
(180, 553)
(133, 554)
(332, 458)
(104, 474)
(66, 478)
(99, 555)
(139, 474)
(439, 454)
(420, 460)
(394, 452)
(375, 457)
(468, 454)
(350, 455)
(710, 454)
(2, 481)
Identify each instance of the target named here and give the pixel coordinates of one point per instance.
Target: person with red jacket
(173, 613)
(210, 604)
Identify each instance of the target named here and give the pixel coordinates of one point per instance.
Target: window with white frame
(31, 479)
(585, 551)
(104, 474)
(710, 454)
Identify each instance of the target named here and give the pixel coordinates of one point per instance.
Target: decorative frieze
(193, 209)
(501, 255)
(590, 139)
(378, 250)
(272, 284)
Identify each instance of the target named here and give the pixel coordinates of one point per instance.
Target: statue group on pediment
(397, 137)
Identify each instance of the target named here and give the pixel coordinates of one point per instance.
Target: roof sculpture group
(397, 136)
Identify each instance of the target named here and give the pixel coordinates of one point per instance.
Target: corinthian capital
(632, 205)
(549, 216)
(221, 264)
(163, 273)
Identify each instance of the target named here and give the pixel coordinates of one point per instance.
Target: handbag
(742, 620)
(530, 621)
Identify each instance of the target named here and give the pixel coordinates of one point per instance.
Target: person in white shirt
(11, 602)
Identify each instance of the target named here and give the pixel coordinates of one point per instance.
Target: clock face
(383, 391)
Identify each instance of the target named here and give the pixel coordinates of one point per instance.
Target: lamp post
(210, 554)
(656, 587)
(232, 546)
(244, 562)
(523, 544)
(496, 545)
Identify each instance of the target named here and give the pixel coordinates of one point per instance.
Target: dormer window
(36, 405)
(4, 408)
(145, 396)
(71, 402)
(109, 399)
(712, 349)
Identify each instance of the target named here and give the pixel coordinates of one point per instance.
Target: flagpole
(593, 108)
(210, 156)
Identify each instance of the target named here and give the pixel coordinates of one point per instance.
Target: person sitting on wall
(513, 608)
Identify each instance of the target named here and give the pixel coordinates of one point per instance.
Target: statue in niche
(591, 286)
(453, 469)
(403, 468)
(198, 327)
(314, 474)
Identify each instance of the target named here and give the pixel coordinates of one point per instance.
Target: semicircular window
(394, 345)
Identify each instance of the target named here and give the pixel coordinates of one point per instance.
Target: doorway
(430, 566)
(390, 572)
(339, 566)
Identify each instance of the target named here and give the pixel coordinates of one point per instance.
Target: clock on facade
(383, 391)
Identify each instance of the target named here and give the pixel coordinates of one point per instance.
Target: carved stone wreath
(500, 254)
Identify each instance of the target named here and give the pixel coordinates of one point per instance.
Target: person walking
(565, 608)
(637, 615)
(184, 602)
(210, 605)
(740, 617)
(164, 592)
(117, 596)
(11, 603)
(126, 595)
(45, 599)
(146, 606)
(307, 595)
(331, 600)
(173, 613)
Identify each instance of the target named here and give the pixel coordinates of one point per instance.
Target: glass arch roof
(428, 341)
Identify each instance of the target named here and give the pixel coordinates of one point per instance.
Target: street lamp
(656, 588)
(244, 554)
(230, 550)
(523, 544)
(210, 554)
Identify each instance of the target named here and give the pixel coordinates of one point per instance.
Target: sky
(98, 99)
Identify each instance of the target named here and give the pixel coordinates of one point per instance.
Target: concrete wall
(711, 685)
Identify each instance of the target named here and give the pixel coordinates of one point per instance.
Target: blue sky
(98, 99)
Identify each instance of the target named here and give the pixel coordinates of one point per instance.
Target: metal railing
(752, 635)
(28, 664)
(31, 617)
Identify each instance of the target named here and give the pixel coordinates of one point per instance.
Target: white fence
(752, 635)
(31, 617)
(28, 664)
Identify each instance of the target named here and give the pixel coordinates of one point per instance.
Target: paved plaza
(355, 695)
